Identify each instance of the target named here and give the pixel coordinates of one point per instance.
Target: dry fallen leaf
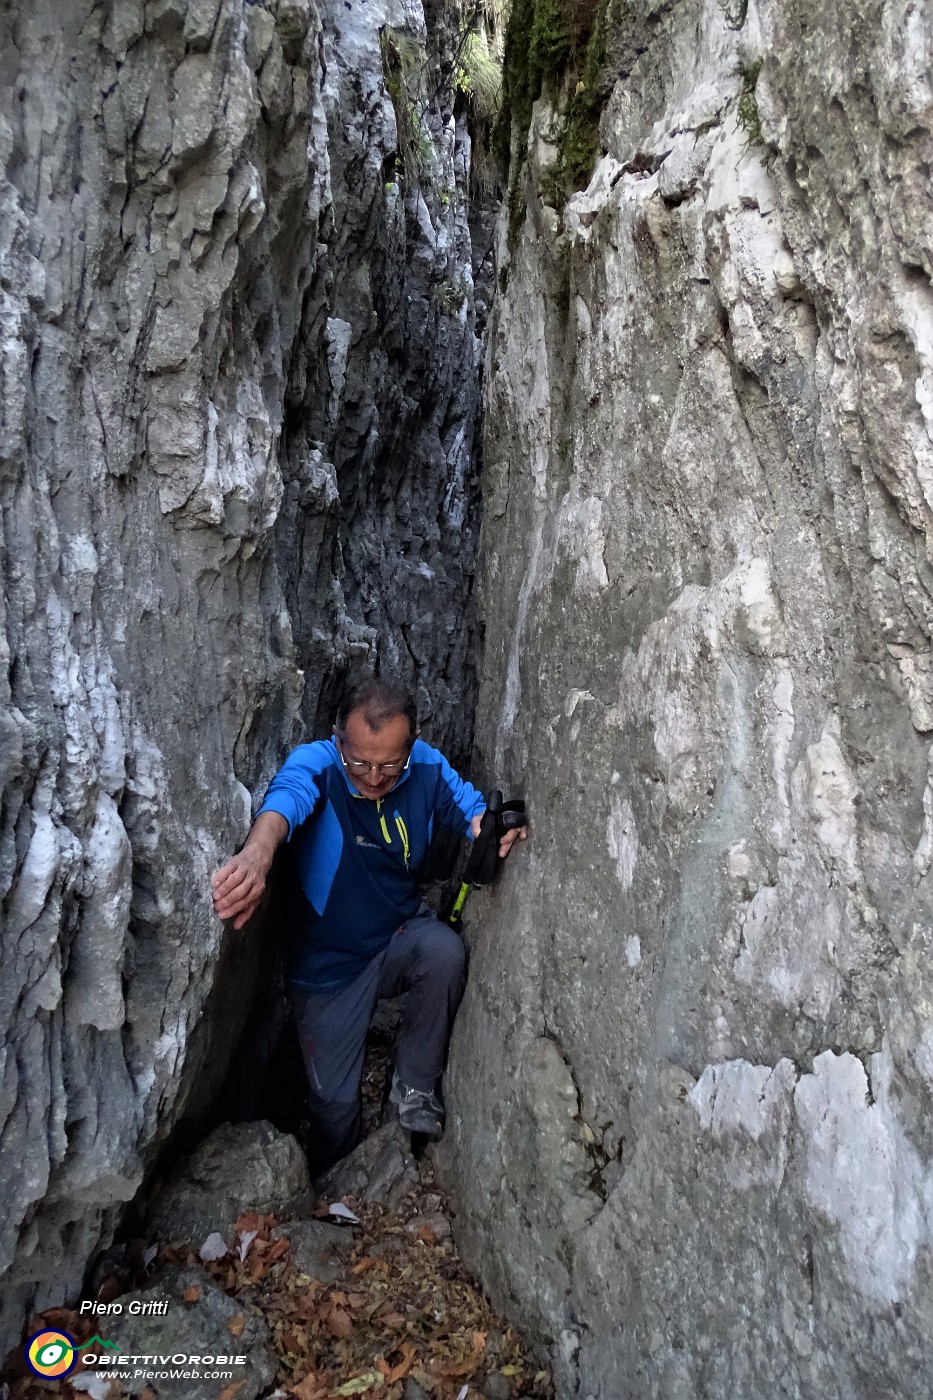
(401, 1297)
(392, 1319)
(366, 1264)
(281, 1246)
(250, 1220)
(192, 1293)
(395, 1373)
(310, 1388)
(441, 1368)
(110, 1288)
(338, 1322)
(230, 1390)
(245, 1238)
(359, 1383)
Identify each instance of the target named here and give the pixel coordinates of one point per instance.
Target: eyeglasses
(361, 769)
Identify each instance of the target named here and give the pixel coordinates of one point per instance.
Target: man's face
(361, 745)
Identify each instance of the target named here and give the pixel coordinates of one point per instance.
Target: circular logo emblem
(51, 1353)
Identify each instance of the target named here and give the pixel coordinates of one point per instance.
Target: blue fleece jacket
(359, 861)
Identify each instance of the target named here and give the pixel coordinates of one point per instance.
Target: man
(359, 810)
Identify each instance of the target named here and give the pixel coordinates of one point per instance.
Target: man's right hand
(239, 885)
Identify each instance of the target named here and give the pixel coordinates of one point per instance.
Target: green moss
(579, 144)
(517, 207)
(518, 82)
(747, 106)
(552, 38)
(554, 42)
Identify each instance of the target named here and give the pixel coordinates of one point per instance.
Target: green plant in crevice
(403, 63)
(747, 113)
(478, 74)
(478, 88)
(562, 43)
(448, 297)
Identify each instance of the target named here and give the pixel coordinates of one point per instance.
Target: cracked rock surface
(234, 406)
(237, 1165)
(690, 1102)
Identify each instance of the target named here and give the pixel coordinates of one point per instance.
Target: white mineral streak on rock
(923, 855)
(513, 686)
(740, 864)
(337, 336)
(832, 793)
(779, 735)
(622, 840)
(863, 1173)
(95, 993)
(582, 535)
(736, 1101)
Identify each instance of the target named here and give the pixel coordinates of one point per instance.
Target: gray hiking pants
(426, 959)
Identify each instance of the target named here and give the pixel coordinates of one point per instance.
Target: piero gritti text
(152, 1307)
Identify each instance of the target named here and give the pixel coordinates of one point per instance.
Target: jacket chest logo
(400, 833)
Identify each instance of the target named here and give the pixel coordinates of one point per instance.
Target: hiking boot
(419, 1110)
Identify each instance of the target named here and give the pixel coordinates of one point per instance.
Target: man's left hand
(518, 833)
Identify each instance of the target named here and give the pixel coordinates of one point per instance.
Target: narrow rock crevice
(248, 256)
(237, 424)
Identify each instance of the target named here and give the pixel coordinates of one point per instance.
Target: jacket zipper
(403, 833)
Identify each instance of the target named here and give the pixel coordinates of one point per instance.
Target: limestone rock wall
(227, 384)
(692, 1082)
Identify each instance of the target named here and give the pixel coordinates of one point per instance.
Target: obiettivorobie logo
(51, 1354)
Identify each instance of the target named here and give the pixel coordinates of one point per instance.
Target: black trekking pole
(498, 818)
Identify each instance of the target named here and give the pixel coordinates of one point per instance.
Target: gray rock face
(381, 1170)
(239, 1166)
(317, 1249)
(690, 1101)
(201, 1328)
(228, 397)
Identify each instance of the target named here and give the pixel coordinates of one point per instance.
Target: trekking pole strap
(481, 865)
(498, 818)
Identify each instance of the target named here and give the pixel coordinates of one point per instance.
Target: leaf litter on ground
(405, 1306)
